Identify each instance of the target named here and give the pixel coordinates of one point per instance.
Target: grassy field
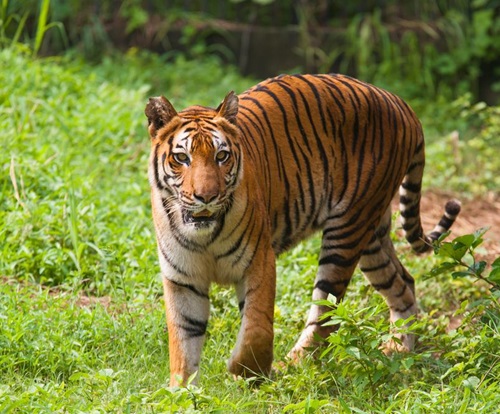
(81, 315)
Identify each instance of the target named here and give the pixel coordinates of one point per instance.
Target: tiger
(234, 187)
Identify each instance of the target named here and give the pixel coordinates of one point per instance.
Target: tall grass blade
(3, 21)
(59, 26)
(41, 27)
(73, 228)
(20, 28)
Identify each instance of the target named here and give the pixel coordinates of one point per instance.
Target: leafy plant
(461, 253)
(134, 13)
(471, 41)
(356, 348)
(483, 362)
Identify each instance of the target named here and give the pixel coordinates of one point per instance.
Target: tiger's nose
(205, 197)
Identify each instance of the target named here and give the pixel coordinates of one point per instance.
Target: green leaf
(459, 251)
(457, 275)
(353, 351)
(446, 249)
(309, 405)
(465, 240)
(444, 236)
(78, 376)
(442, 268)
(344, 405)
(478, 267)
(478, 234)
(471, 382)
(455, 250)
(407, 363)
(477, 242)
(494, 275)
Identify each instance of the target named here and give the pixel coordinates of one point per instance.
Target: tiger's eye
(222, 156)
(181, 158)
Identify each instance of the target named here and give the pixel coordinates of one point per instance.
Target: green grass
(75, 223)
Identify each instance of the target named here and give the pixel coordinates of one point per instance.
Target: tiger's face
(195, 162)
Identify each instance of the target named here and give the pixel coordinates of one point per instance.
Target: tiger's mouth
(201, 218)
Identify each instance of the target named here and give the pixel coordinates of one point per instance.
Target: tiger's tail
(409, 205)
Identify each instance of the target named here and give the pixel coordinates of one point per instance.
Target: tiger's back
(321, 144)
(233, 187)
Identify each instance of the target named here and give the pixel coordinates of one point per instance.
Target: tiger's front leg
(253, 352)
(187, 309)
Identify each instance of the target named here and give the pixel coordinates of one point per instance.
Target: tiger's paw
(296, 354)
(309, 342)
(279, 367)
(248, 368)
(250, 363)
(402, 343)
(253, 353)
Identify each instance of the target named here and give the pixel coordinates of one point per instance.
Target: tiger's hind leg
(338, 259)
(388, 276)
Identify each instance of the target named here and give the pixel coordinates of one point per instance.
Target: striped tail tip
(422, 243)
(451, 211)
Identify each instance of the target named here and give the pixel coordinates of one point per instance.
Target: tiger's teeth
(202, 213)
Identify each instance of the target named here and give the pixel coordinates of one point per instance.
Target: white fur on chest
(205, 266)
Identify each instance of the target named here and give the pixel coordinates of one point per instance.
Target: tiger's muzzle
(203, 218)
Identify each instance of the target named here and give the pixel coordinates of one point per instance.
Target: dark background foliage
(441, 47)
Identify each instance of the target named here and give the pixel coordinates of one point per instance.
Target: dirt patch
(89, 301)
(475, 214)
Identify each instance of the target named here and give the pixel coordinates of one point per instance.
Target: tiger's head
(195, 161)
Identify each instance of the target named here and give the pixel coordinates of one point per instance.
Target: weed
(13, 25)
(9, 20)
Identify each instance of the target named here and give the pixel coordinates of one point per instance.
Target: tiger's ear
(159, 112)
(229, 108)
